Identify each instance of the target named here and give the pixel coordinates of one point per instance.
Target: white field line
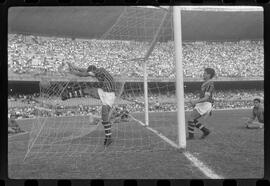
(163, 137)
(202, 167)
(157, 133)
(197, 163)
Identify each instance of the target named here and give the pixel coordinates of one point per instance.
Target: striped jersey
(258, 112)
(106, 81)
(207, 88)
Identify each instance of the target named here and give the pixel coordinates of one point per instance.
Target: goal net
(138, 50)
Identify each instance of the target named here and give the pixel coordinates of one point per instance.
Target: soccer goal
(142, 50)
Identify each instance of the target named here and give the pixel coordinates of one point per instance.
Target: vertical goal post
(179, 77)
(177, 35)
(150, 50)
(139, 37)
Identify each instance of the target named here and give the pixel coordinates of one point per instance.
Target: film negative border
(132, 2)
(5, 181)
(198, 182)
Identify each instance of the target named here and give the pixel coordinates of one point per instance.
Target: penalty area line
(202, 167)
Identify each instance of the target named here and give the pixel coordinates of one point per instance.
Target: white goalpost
(177, 30)
(179, 77)
(132, 47)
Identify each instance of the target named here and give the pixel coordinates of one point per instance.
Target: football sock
(202, 128)
(107, 127)
(191, 126)
(72, 94)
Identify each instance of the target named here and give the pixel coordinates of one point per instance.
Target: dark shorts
(93, 92)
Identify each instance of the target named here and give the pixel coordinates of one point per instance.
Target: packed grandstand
(28, 53)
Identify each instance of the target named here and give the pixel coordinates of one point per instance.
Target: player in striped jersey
(202, 106)
(105, 92)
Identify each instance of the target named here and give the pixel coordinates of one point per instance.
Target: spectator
(36, 54)
(131, 103)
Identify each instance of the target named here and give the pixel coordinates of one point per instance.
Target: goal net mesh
(73, 127)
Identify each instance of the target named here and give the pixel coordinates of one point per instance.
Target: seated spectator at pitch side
(13, 126)
(257, 113)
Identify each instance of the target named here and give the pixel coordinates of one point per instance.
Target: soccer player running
(202, 106)
(105, 92)
(257, 112)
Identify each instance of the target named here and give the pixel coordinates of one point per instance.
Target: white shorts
(203, 108)
(254, 125)
(107, 98)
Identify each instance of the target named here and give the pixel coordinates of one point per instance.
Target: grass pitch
(230, 150)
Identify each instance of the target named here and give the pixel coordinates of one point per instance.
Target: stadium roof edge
(80, 22)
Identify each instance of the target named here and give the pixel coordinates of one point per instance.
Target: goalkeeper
(105, 92)
(257, 112)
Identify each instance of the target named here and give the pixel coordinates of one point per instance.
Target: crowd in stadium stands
(26, 106)
(32, 54)
(23, 97)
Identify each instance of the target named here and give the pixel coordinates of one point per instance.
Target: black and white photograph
(135, 92)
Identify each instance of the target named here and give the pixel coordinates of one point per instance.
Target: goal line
(173, 144)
